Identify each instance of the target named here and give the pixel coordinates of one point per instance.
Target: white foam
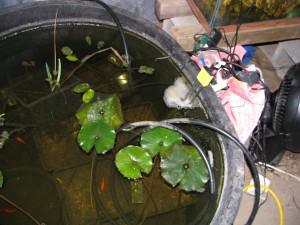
(175, 96)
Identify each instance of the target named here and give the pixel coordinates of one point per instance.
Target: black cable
(233, 55)
(115, 200)
(248, 157)
(238, 25)
(225, 37)
(95, 193)
(187, 137)
(119, 26)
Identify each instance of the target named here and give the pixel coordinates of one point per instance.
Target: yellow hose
(274, 196)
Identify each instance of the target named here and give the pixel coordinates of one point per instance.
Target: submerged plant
(4, 136)
(2, 119)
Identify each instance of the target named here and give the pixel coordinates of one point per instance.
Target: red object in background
(7, 210)
(102, 185)
(20, 140)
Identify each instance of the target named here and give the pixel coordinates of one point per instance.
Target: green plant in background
(54, 77)
(86, 90)
(2, 119)
(4, 136)
(181, 164)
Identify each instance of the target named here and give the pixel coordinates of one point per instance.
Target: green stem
(149, 190)
(86, 58)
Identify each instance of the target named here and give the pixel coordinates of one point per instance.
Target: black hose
(187, 137)
(248, 157)
(119, 26)
(95, 193)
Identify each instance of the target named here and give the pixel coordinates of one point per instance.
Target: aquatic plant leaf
(81, 88)
(88, 40)
(1, 179)
(88, 96)
(184, 165)
(72, 58)
(66, 50)
(114, 60)
(96, 133)
(131, 161)
(81, 115)
(100, 44)
(146, 69)
(108, 110)
(160, 140)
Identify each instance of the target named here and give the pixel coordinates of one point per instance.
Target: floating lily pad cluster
(99, 120)
(180, 165)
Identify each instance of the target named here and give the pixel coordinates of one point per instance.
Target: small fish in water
(102, 185)
(7, 210)
(20, 140)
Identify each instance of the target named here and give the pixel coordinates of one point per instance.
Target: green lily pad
(81, 88)
(96, 133)
(72, 58)
(88, 40)
(160, 140)
(1, 179)
(66, 50)
(184, 165)
(81, 115)
(131, 161)
(88, 96)
(108, 109)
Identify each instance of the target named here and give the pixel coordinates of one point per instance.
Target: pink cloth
(243, 105)
(213, 56)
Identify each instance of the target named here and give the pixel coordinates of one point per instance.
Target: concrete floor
(284, 186)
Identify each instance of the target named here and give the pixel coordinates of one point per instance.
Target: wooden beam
(184, 35)
(172, 8)
(258, 32)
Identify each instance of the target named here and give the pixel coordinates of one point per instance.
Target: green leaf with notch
(160, 140)
(184, 165)
(131, 161)
(96, 133)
